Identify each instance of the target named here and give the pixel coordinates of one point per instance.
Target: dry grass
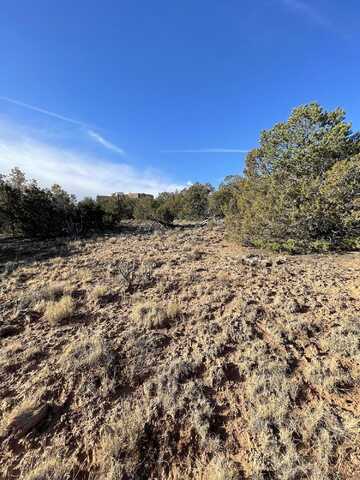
(91, 359)
(150, 315)
(216, 365)
(121, 442)
(58, 312)
(38, 297)
(221, 468)
(98, 292)
(86, 352)
(84, 276)
(50, 469)
(23, 418)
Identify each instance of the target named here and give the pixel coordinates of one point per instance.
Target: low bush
(151, 315)
(57, 312)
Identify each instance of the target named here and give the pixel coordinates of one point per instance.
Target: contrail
(105, 143)
(92, 133)
(45, 112)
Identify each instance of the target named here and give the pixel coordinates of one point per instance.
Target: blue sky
(138, 95)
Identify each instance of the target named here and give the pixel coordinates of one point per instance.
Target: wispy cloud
(95, 136)
(207, 150)
(309, 11)
(78, 172)
(105, 143)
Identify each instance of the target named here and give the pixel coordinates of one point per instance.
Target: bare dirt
(178, 355)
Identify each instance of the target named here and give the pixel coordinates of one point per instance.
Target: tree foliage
(221, 201)
(195, 201)
(301, 184)
(300, 191)
(29, 210)
(26, 209)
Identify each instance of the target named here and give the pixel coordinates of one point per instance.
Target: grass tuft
(58, 312)
(150, 315)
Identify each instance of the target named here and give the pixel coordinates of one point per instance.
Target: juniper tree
(285, 193)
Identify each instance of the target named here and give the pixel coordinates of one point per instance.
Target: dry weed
(119, 453)
(57, 312)
(151, 315)
(92, 359)
(50, 469)
(98, 292)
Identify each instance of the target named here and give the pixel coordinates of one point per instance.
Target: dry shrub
(119, 453)
(57, 312)
(49, 469)
(151, 315)
(132, 275)
(91, 357)
(126, 273)
(38, 298)
(98, 292)
(221, 468)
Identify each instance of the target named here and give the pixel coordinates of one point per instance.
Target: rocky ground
(177, 355)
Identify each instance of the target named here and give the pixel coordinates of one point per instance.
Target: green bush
(351, 243)
(222, 200)
(28, 210)
(165, 213)
(301, 187)
(195, 202)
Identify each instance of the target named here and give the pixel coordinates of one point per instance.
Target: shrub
(98, 292)
(151, 315)
(57, 312)
(351, 243)
(301, 187)
(115, 208)
(144, 209)
(50, 469)
(26, 209)
(320, 246)
(165, 214)
(221, 201)
(194, 205)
